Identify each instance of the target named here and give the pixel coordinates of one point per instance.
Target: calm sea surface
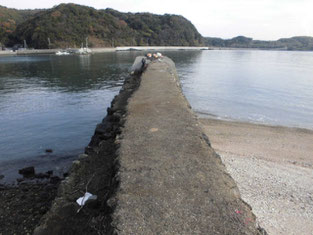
(55, 102)
(271, 87)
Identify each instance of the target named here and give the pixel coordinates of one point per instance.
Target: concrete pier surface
(152, 169)
(171, 180)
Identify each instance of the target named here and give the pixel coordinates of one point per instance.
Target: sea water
(54, 102)
(269, 87)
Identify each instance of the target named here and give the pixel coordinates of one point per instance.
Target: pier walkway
(171, 180)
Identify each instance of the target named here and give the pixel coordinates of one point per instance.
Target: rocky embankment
(93, 172)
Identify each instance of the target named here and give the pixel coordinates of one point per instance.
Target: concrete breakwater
(152, 169)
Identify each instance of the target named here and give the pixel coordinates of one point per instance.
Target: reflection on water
(84, 61)
(66, 73)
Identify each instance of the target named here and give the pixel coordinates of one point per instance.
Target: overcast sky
(259, 19)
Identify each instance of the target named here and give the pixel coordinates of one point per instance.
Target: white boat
(83, 51)
(62, 53)
(80, 51)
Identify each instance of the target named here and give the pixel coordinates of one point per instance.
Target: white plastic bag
(88, 196)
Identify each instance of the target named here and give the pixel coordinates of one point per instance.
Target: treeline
(68, 25)
(294, 43)
(9, 19)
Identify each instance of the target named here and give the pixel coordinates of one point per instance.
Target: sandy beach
(272, 166)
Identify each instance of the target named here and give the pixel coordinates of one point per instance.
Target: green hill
(294, 43)
(297, 43)
(67, 25)
(9, 19)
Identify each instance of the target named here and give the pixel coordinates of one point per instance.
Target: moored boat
(62, 53)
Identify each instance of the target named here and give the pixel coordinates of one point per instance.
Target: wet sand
(273, 167)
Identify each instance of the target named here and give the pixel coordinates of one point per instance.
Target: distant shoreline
(105, 49)
(138, 48)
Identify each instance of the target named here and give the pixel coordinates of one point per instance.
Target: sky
(259, 19)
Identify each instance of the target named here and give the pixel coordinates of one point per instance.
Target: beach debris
(49, 150)
(88, 196)
(154, 130)
(238, 212)
(27, 171)
(150, 56)
(157, 55)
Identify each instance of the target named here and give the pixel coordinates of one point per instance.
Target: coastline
(136, 48)
(59, 164)
(272, 166)
(105, 49)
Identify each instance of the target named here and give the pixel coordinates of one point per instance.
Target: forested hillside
(68, 25)
(9, 19)
(294, 43)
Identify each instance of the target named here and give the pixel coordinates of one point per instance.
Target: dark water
(55, 102)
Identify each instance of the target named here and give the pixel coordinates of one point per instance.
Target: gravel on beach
(272, 167)
(281, 195)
